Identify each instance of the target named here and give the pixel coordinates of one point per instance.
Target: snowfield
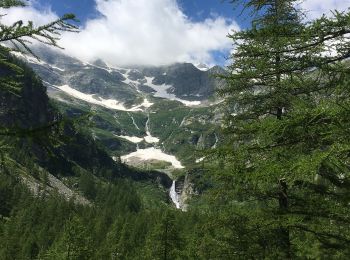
(161, 91)
(153, 154)
(133, 139)
(107, 103)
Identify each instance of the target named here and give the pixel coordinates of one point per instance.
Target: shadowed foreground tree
(19, 35)
(15, 81)
(286, 173)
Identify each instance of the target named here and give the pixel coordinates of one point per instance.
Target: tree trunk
(283, 206)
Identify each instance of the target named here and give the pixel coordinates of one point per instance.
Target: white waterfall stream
(133, 121)
(174, 196)
(153, 153)
(149, 138)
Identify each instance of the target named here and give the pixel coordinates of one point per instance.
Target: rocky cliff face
(186, 80)
(59, 148)
(28, 105)
(182, 80)
(182, 191)
(149, 117)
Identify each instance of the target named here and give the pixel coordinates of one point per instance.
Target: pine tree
(76, 242)
(18, 36)
(14, 76)
(163, 242)
(286, 96)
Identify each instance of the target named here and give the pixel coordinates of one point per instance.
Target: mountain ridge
(116, 94)
(179, 81)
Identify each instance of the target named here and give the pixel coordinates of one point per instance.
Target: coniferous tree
(286, 96)
(18, 36)
(163, 242)
(76, 242)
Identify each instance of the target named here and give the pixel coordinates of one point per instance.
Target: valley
(152, 118)
(169, 129)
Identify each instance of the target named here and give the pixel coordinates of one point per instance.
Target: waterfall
(174, 196)
(147, 126)
(149, 138)
(133, 122)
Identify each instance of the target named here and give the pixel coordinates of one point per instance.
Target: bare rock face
(184, 191)
(27, 106)
(53, 184)
(185, 80)
(57, 148)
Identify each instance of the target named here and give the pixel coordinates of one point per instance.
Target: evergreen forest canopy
(278, 189)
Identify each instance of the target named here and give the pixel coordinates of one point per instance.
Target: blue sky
(196, 10)
(83, 9)
(208, 20)
(151, 32)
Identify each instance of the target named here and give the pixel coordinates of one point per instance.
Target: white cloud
(29, 13)
(153, 32)
(147, 32)
(141, 32)
(138, 32)
(316, 8)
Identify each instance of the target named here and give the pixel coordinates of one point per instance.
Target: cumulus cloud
(147, 32)
(150, 32)
(141, 32)
(316, 8)
(29, 13)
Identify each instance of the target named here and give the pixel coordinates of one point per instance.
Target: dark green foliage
(282, 182)
(11, 3)
(164, 241)
(284, 176)
(49, 227)
(87, 185)
(18, 35)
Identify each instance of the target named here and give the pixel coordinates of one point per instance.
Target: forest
(277, 186)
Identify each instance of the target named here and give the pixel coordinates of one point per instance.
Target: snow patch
(161, 92)
(133, 139)
(149, 138)
(200, 160)
(202, 66)
(29, 58)
(146, 103)
(108, 103)
(153, 154)
(57, 68)
(133, 121)
(33, 60)
(109, 70)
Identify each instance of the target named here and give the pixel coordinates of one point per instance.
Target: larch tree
(287, 154)
(19, 35)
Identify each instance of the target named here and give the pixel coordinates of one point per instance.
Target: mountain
(182, 81)
(154, 118)
(41, 140)
(202, 66)
(170, 108)
(61, 194)
(185, 81)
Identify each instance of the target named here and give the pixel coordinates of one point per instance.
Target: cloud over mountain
(150, 32)
(142, 32)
